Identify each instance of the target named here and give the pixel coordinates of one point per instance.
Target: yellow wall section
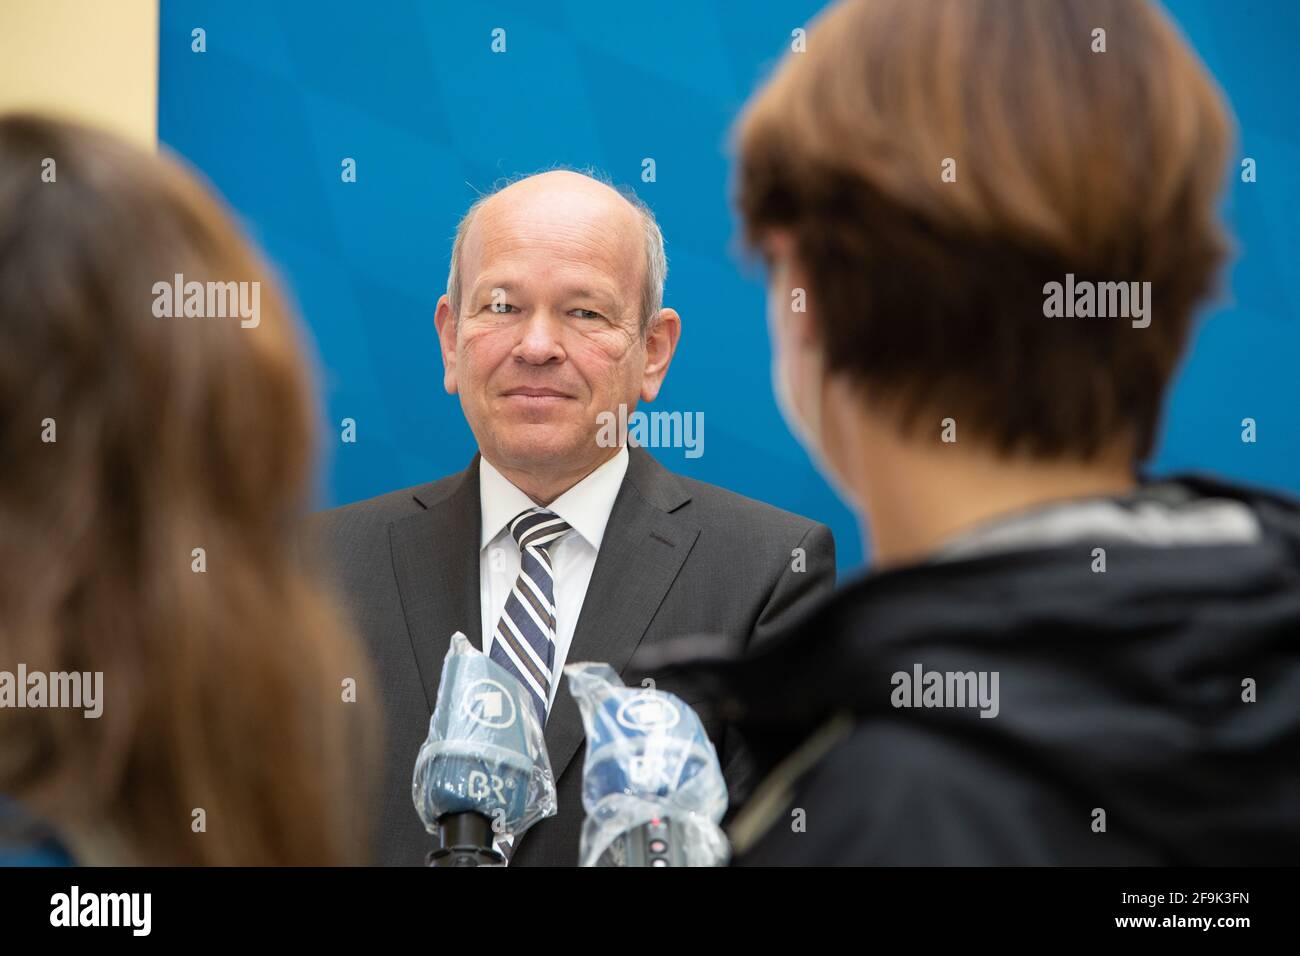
(93, 60)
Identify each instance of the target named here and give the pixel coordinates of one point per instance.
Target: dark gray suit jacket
(679, 557)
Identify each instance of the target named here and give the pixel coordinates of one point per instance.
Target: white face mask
(799, 377)
(797, 373)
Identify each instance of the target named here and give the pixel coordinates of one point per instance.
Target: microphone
(651, 782)
(483, 773)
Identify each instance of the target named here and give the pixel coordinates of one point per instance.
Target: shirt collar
(586, 506)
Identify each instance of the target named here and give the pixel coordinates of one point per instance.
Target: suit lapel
(643, 549)
(436, 560)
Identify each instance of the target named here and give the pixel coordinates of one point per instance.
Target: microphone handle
(659, 842)
(465, 839)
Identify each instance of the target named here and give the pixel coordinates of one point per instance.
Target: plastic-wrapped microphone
(483, 773)
(651, 783)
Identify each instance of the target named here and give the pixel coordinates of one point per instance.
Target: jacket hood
(1135, 682)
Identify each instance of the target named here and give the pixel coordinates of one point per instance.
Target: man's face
(548, 332)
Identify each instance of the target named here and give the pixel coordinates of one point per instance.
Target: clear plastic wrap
(648, 760)
(485, 752)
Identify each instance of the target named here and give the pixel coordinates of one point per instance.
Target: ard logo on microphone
(648, 713)
(489, 704)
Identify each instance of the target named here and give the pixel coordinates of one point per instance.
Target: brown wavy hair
(929, 293)
(222, 688)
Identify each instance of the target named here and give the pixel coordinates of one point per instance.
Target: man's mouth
(537, 393)
(535, 400)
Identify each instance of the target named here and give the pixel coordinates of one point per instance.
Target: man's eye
(588, 314)
(503, 307)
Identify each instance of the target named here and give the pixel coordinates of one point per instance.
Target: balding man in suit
(556, 545)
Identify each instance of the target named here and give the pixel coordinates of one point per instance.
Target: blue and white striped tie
(524, 642)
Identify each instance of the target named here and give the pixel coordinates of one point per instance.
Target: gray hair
(656, 262)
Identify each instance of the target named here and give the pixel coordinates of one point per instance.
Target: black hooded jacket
(1125, 732)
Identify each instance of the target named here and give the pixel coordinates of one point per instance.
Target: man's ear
(445, 321)
(660, 344)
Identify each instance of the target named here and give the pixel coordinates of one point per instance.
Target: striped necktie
(524, 641)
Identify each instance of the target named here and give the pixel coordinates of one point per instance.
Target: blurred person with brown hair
(156, 455)
(1054, 659)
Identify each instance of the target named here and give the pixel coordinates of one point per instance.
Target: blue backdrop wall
(412, 91)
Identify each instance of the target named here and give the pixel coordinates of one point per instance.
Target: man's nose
(539, 341)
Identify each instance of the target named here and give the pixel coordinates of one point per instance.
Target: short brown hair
(222, 690)
(930, 294)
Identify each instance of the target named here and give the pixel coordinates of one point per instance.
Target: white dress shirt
(585, 506)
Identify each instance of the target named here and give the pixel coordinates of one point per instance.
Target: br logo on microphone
(480, 786)
(489, 703)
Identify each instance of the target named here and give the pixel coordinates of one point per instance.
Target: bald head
(552, 325)
(619, 228)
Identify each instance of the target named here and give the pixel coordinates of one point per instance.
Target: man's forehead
(560, 208)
